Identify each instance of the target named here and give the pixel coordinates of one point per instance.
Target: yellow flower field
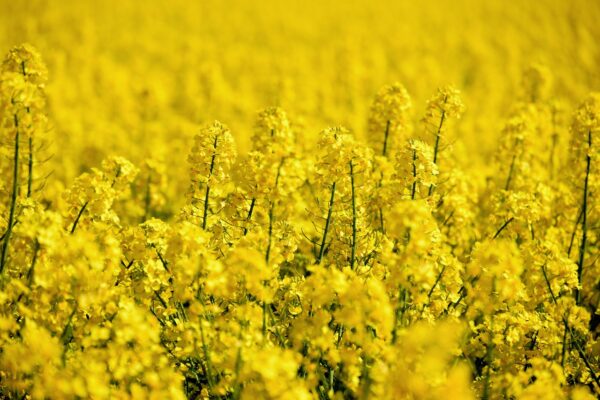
(299, 199)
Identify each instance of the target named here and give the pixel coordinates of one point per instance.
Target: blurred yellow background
(139, 78)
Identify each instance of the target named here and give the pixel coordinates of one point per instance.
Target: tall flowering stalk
(210, 161)
(388, 128)
(446, 104)
(342, 179)
(22, 116)
(273, 138)
(415, 170)
(266, 178)
(331, 168)
(91, 197)
(586, 124)
(389, 119)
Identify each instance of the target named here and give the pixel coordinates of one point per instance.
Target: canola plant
(299, 200)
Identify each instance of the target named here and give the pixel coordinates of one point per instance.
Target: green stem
(13, 199)
(385, 138)
(164, 262)
(354, 229)
(65, 331)
(504, 225)
(264, 319)
(237, 387)
(250, 211)
(160, 299)
(489, 355)
(267, 256)
(30, 272)
(584, 218)
(510, 172)
(78, 217)
(268, 253)
(563, 351)
(209, 376)
(437, 281)
(147, 198)
(398, 313)
(437, 143)
(554, 143)
(574, 232)
(30, 167)
(205, 214)
(327, 223)
(573, 338)
(366, 378)
(414, 171)
(437, 137)
(210, 172)
(271, 212)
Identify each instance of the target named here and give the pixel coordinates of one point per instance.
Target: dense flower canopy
(299, 200)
